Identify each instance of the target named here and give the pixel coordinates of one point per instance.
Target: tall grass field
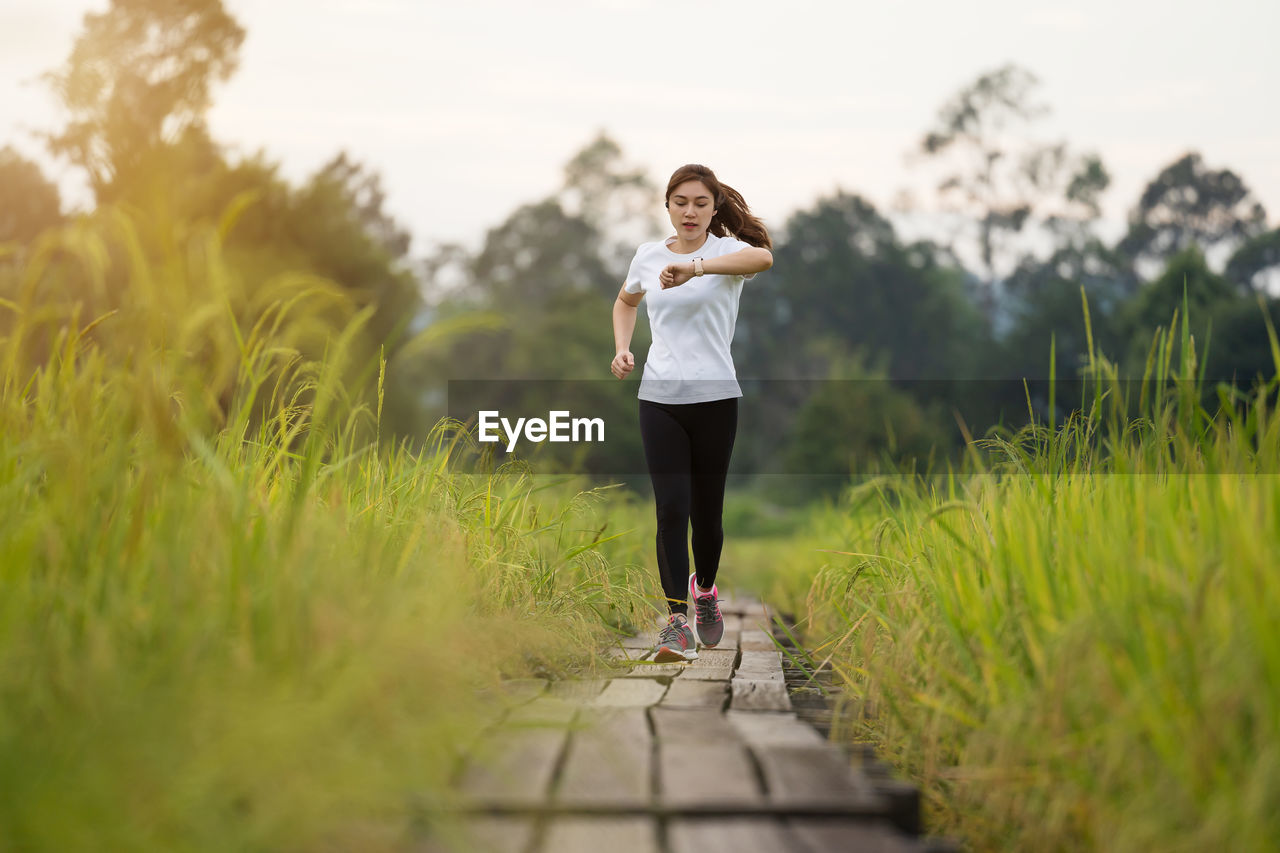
(1076, 645)
(231, 619)
(234, 615)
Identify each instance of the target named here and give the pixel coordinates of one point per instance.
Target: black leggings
(687, 447)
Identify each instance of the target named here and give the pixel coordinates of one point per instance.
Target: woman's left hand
(674, 275)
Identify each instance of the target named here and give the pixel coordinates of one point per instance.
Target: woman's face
(691, 208)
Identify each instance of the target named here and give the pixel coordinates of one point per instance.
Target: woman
(689, 390)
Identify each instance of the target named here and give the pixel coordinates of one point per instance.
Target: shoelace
(708, 608)
(671, 635)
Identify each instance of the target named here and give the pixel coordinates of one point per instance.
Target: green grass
(233, 617)
(229, 617)
(1073, 645)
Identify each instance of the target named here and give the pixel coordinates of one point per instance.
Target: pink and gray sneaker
(707, 619)
(676, 643)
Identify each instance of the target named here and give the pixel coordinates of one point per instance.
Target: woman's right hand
(623, 363)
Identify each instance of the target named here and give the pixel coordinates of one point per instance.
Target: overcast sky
(469, 109)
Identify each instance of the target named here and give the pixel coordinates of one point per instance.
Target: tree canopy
(139, 74)
(29, 202)
(1188, 203)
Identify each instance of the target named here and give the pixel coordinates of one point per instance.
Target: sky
(469, 109)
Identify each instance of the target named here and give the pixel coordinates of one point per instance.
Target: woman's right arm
(624, 325)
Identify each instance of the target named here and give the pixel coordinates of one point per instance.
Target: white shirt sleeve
(632, 283)
(729, 245)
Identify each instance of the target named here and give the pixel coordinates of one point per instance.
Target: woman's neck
(688, 247)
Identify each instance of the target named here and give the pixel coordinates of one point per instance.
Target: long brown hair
(732, 214)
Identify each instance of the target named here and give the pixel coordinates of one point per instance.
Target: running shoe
(676, 643)
(708, 623)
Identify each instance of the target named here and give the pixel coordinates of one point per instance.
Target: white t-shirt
(692, 325)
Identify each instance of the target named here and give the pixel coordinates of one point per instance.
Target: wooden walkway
(674, 758)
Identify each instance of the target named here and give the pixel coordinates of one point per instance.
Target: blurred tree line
(135, 90)
(870, 346)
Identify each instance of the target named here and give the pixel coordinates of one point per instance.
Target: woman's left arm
(742, 262)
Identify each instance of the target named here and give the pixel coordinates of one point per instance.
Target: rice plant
(232, 617)
(1073, 644)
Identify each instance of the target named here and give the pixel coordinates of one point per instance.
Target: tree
(538, 252)
(534, 302)
(29, 203)
(844, 287)
(140, 73)
(1227, 323)
(840, 272)
(1207, 294)
(1045, 306)
(619, 200)
(362, 190)
(1190, 204)
(528, 328)
(551, 270)
(137, 85)
(1082, 202)
(858, 423)
(1240, 352)
(1256, 261)
(1004, 181)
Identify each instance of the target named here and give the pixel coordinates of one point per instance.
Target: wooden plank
(751, 835)
(729, 602)
(639, 663)
(496, 705)
(516, 761)
(609, 760)
(762, 728)
(577, 691)
(643, 639)
(814, 775)
(501, 835)
(591, 835)
(710, 773)
(679, 725)
(759, 696)
(515, 765)
(497, 834)
(902, 800)
(852, 834)
(648, 669)
(759, 675)
(730, 640)
(715, 658)
(723, 673)
(696, 694)
(760, 666)
(753, 639)
(702, 758)
(768, 659)
(631, 693)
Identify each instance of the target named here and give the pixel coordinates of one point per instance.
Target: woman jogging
(689, 390)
